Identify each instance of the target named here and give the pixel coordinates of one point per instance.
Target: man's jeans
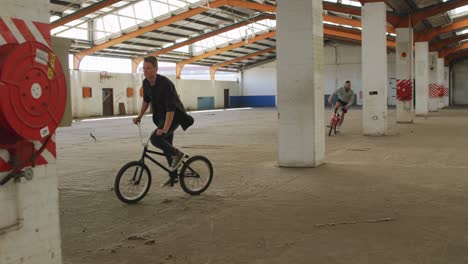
(164, 142)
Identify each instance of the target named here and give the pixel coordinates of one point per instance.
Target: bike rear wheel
(196, 175)
(132, 182)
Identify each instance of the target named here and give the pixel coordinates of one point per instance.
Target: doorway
(107, 102)
(226, 98)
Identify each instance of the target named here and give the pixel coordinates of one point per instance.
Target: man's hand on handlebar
(136, 120)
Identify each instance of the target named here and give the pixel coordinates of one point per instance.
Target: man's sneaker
(170, 182)
(176, 159)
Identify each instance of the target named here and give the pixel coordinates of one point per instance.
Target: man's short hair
(153, 60)
(348, 82)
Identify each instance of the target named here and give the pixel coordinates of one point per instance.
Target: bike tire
(331, 127)
(187, 169)
(118, 186)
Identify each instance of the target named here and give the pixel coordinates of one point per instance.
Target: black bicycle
(133, 180)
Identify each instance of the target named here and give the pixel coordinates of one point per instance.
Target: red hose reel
(404, 90)
(32, 99)
(441, 91)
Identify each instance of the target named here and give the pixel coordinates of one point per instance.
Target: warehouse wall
(193, 93)
(342, 63)
(460, 83)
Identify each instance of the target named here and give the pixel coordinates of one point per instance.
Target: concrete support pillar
(440, 81)
(301, 134)
(404, 75)
(374, 68)
(29, 210)
(446, 86)
(433, 83)
(422, 78)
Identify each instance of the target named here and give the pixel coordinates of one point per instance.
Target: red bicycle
(334, 121)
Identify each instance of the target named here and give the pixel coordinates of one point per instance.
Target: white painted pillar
(404, 75)
(446, 86)
(440, 81)
(422, 78)
(374, 68)
(29, 212)
(433, 83)
(301, 134)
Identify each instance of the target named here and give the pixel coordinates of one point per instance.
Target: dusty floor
(402, 198)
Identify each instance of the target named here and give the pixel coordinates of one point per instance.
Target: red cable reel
(32, 100)
(405, 90)
(441, 91)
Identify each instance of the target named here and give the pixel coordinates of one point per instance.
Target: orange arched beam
(82, 12)
(415, 18)
(428, 35)
(439, 45)
(356, 11)
(216, 67)
(349, 22)
(335, 33)
(454, 56)
(251, 5)
(448, 52)
(180, 65)
(403, 21)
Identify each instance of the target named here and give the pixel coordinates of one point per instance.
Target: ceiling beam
(428, 35)
(336, 33)
(181, 64)
(448, 52)
(82, 12)
(216, 67)
(190, 29)
(66, 4)
(345, 9)
(205, 36)
(214, 16)
(143, 30)
(200, 22)
(252, 5)
(418, 16)
(413, 18)
(442, 43)
(233, 11)
(172, 34)
(454, 56)
(168, 22)
(350, 22)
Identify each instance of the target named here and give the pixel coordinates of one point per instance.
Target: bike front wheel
(332, 126)
(196, 175)
(132, 182)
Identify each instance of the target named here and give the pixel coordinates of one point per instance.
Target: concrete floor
(395, 199)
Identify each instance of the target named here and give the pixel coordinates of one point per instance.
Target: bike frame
(336, 117)
(146, 150)
(145, 155)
